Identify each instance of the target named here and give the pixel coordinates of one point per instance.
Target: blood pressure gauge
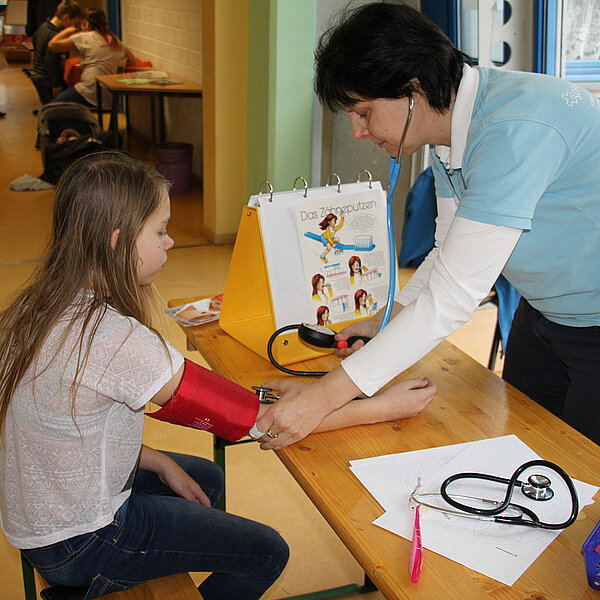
(323, 337)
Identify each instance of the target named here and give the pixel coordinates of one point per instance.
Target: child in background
(90, 505)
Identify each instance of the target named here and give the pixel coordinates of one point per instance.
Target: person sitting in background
(48, 67)
(100, 52)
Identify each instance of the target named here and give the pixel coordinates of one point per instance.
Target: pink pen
(416, 548)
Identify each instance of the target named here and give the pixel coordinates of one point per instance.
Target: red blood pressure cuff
(205, 400)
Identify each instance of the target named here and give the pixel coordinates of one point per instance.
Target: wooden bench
(173, 587)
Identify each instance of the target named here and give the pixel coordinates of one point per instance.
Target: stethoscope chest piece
(537, 488)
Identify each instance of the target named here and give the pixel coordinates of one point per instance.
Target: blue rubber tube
(393, 180)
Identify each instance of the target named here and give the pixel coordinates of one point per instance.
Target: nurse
(515, 158)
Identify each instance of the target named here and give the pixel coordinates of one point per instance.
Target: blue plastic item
(591, 551)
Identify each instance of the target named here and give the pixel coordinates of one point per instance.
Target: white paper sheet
(502, 552)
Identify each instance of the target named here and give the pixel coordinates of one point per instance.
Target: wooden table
(113, 83)
(472, 403)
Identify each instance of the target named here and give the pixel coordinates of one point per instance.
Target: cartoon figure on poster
(330, 227)
(356, 269)
(323, 316)
(321, 291)
(363, 303)
(359, 272)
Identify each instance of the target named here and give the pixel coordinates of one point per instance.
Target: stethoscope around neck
(537, 487)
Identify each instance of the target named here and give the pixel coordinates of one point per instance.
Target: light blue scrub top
(532, 161)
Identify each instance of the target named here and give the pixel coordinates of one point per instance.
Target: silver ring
(271, 434)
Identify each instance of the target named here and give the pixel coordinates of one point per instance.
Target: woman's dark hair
(96, 20)
(380, 50)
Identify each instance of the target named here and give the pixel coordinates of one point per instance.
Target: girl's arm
(61, 42)
(172, 475)
(399, 401)
(169, 389)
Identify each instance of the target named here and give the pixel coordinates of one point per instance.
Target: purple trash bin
(174, 161)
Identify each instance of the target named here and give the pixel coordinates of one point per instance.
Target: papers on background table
(502, 552)
(198, 312)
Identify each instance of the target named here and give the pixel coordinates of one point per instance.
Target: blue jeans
(71, 95)
(156, 533)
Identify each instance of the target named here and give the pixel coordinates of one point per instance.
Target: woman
(100, 52)
(518, 193)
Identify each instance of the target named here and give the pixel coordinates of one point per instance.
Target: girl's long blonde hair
(95, 196)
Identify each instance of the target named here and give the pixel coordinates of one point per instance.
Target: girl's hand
(182, 484)
(172, 475)
(405, 399)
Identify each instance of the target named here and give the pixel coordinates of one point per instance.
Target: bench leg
(28, 579)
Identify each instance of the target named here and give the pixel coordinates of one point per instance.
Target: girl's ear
(113, 238)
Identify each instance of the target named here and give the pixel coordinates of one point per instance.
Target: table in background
(114, 84)
(471, 404)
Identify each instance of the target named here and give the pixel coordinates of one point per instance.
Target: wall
(170, 35)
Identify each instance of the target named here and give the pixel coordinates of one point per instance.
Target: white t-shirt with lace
(97, 58)
(60, 478)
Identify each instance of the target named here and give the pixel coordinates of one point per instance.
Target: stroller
(68, 131)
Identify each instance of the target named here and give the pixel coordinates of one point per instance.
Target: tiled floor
(259, 487)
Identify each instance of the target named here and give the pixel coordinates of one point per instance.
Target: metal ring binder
(305, 185)
(266, 182)
(369, 175)
(338, 181)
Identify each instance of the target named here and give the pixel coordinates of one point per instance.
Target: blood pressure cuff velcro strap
(205, 400)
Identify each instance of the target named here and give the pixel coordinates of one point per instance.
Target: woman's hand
(366, 328)
(296, 414)
(302, 406)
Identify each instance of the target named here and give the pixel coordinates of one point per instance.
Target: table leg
(219, 445)
(152, 120)
(99, 105)
(343, 590)
(161, 117)
(114, 118)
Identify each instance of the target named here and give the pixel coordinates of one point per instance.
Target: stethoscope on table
(323, 337)
(537, 487)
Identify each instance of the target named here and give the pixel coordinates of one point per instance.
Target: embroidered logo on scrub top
(572, 97)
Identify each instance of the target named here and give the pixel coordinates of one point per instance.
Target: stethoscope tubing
(511, 484)
(394, 173)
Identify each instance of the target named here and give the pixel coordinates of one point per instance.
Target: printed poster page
(344, 247)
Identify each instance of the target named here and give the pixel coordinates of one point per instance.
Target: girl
(321, 291)
(323, 316)
(100, 52)
(356, 269)
(88, 504)
(362, 302)
(329, 228)
(85, 501)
